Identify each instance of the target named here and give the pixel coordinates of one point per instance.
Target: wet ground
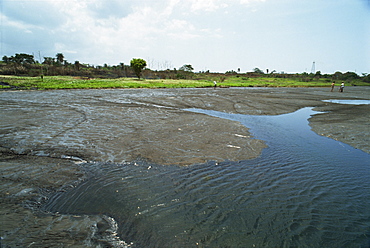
(44, 135)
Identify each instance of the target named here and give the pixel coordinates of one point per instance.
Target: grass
(69, 82)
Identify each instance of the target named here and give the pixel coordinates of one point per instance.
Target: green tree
(185, 71)
(337, 75)
(187, 68)
(258, 70)
(366, 77)
(20, 58)
(48, 61)
(6, 59)
(138, 65)
(350, 76)
(60, 57)
(77, 65)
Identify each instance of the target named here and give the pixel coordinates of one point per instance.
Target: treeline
(25, 65)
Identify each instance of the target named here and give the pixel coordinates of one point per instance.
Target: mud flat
(44, 135)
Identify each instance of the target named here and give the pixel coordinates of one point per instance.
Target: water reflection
(305, 190)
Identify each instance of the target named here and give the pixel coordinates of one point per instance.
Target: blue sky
(215, 35)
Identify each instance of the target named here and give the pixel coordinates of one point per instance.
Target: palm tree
(48, 60)
(77, 65)
(60, 57)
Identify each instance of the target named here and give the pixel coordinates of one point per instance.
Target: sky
(291, 36)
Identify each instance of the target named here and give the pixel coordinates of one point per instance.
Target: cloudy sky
(215, 35)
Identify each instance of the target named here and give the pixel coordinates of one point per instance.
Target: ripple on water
(304, 190)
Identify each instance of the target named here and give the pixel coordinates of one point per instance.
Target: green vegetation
(70, 82)
(22, 71)
(138, 65)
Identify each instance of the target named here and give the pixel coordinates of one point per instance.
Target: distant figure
(332, 86)
(341, 87)
(215, 84)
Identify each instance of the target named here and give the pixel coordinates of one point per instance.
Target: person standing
(332, 86)
(341, 87)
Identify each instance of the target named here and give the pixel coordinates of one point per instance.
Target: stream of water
(305, 190)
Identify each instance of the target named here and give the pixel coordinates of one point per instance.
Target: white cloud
(6, 22)
(95, 30)
(214, 5)
(205, 5)
(38, 13)
(112, 8)
(250, 1)
(204, 33)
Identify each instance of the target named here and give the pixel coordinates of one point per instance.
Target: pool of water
(353, 102)
(305, 190)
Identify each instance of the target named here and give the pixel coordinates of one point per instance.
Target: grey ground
(40, 131)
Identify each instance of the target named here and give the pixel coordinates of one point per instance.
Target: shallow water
(305, 190)
(353, 102)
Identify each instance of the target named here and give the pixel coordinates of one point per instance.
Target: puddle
(353, 102)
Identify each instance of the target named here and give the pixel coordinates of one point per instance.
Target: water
(305, 190)
(353, 102)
